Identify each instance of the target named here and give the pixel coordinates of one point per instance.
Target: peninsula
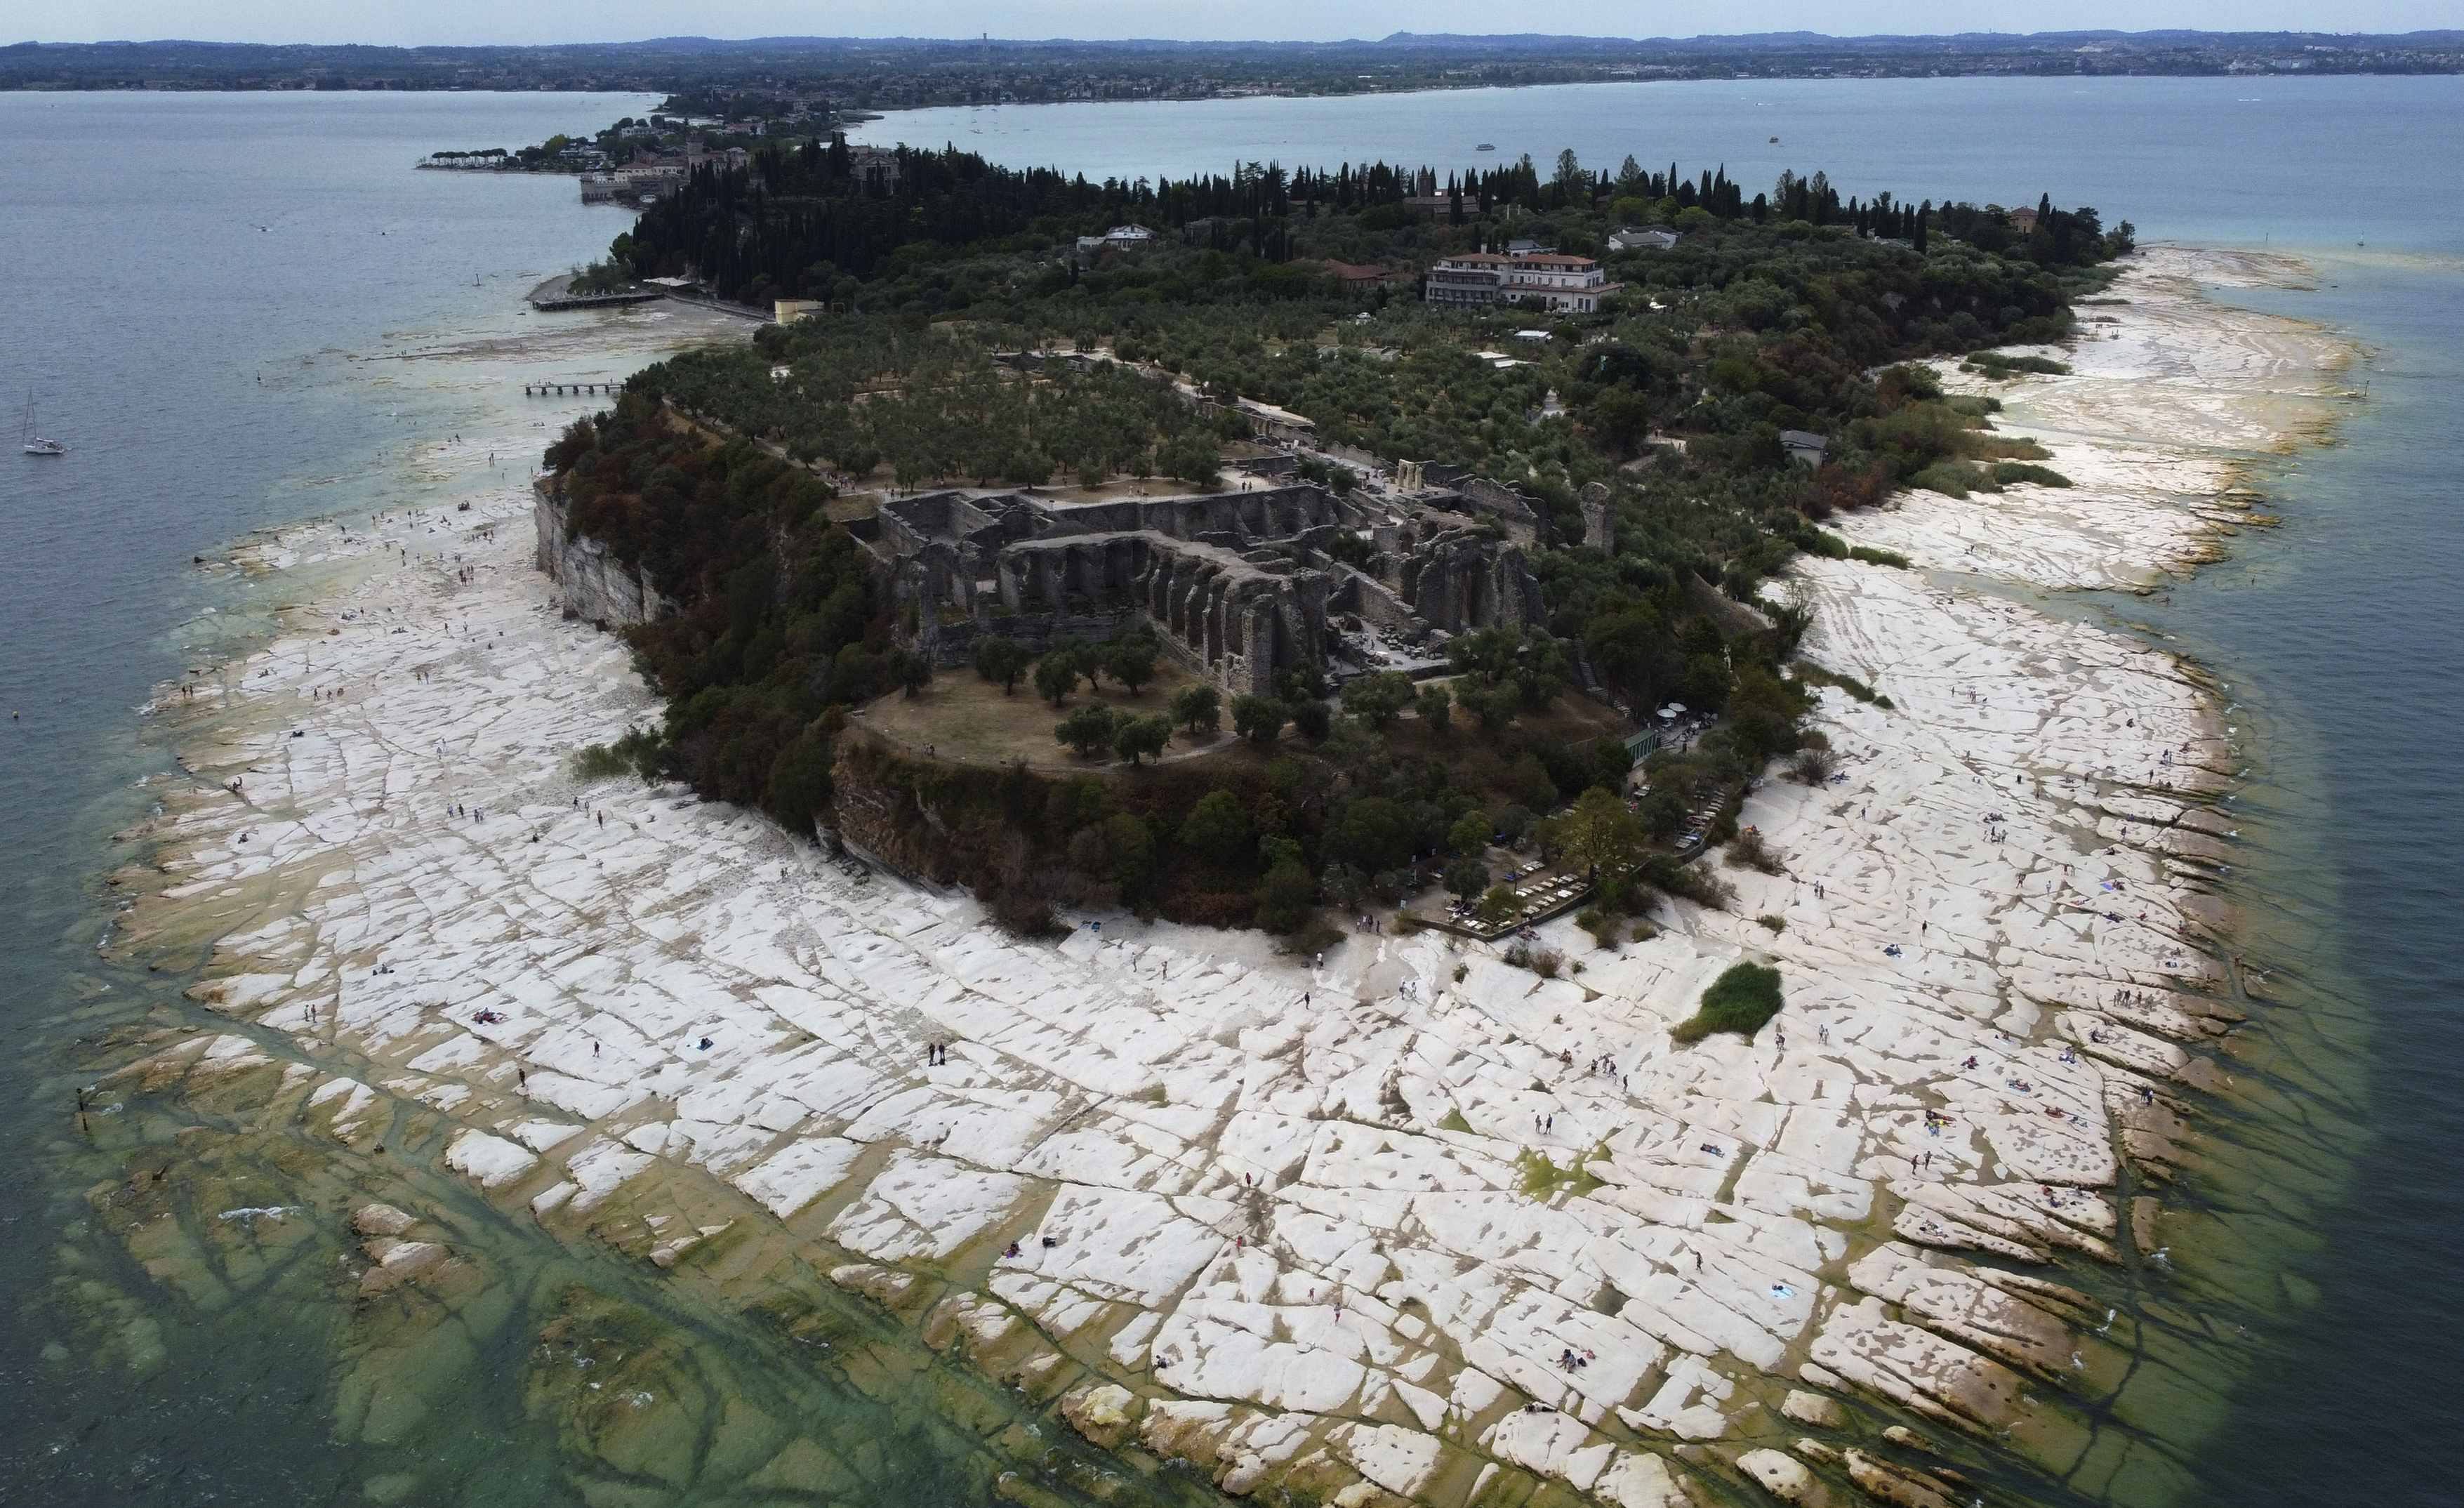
(1142, 1111)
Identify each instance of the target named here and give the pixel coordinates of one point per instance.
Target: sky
(400, 22)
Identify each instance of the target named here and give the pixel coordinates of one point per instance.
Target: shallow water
(154, 303)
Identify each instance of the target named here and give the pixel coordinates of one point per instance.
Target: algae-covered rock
(1783, 1476)
(1640, 1480)
(1104, 1414)
(883, 1285)
(373, 1220)
(1811, 1408)
(1889, 1484)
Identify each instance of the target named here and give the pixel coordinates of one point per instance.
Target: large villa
(1567, 284)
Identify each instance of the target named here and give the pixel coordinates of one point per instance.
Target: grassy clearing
(1742, 1000)
(1543, 1178)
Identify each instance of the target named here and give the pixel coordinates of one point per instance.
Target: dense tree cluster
(1790, 310)
(936, 408)
(776, 624)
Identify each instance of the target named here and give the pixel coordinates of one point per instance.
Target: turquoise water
(168, 253)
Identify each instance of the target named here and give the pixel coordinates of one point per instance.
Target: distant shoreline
(907, 73)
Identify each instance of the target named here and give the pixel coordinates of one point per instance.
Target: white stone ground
(1284, 1202)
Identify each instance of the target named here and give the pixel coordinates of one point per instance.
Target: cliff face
(595, 584)
(947, 825)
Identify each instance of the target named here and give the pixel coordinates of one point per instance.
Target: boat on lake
(33, 443)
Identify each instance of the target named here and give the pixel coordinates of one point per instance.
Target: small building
(1641, 240)
(1804, 446)
(1357, 277)
(2023, 220)
(868, 163)
(788, 311)
(1119, 236)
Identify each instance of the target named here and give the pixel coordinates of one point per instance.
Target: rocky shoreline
(1410, 1224)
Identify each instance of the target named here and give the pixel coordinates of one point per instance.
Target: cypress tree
(1923, 211)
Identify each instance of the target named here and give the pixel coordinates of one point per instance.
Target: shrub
(1218, 827)
(1545, 963)
(1741, 1000)
(1993, 363)
(1498, 904)
(1814, 767)
(1056, 675)
(1774, 924)
(1088, 730)
(1133, 736)
(1436, 706)
(1692, 882)
(1748, 851)
(911, 671)
(1284, 898)
(2007, 473)
(1198, 710)
(1258, 718)
(1603, 927)
(1951, 479)
(1132, 662)
(1002, 660)
(1311, 718)
(1378, 700)
(597, 761)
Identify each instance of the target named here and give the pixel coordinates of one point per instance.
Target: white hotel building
(1567, 284)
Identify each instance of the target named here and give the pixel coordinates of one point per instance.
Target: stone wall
(1226, 616)
(1461, 581)
(1195, 568)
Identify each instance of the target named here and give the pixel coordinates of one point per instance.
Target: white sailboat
(36, 444)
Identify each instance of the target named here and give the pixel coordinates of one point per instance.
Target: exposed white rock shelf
(1214, 1195)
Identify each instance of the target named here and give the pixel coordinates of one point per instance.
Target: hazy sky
(396, 21)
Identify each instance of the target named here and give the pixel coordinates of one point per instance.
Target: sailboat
(36, 444)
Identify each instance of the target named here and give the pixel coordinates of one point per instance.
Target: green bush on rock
(1740, 1000)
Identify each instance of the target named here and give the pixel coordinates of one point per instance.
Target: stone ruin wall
(1214, 574)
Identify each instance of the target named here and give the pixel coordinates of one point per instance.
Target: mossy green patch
(1741, 1000)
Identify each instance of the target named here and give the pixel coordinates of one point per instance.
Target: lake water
(212, 293)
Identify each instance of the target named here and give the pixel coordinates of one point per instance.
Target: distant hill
(898, 73)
